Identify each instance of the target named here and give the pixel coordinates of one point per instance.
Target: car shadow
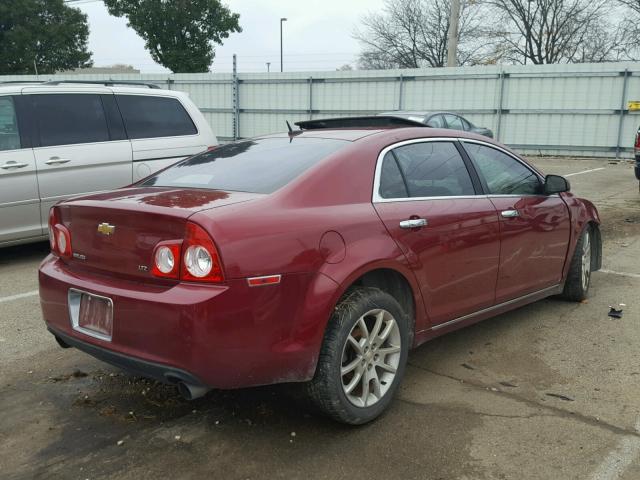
(19, 254)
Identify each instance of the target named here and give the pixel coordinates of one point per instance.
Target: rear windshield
(257, 166)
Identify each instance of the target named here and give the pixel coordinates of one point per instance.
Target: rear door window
(9, 135)
(151, 117)
(67, 119)
(257, 166)
(428, 169)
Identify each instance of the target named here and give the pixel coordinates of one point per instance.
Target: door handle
(57, 161)
(414, 223)
(510, 213)
(13, 164)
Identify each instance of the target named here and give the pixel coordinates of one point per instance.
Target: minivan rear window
(257, 166)
(152, 117)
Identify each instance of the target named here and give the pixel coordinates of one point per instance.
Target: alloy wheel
(586, 261)
(370, 358)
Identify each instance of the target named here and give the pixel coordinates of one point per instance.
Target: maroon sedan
(321, 256)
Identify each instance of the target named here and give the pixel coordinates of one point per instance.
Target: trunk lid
(116, 232)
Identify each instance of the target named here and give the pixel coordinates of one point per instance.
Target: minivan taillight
(53, 219)
(637, 142)
(200, 258)
(59, 235)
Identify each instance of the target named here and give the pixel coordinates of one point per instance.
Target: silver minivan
(58, 140)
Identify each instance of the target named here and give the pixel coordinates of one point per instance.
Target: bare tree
(608, 42)
(629, 28)
(413, 34)
(553, 31)
(632, 4)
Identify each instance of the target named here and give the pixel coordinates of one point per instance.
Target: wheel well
(395, 284)
(596, 253)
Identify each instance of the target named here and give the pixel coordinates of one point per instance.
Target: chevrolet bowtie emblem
(106, 229)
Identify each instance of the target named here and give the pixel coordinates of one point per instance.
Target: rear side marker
(261, 281)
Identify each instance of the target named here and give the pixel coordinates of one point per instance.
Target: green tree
(47, 31)
(179, 33)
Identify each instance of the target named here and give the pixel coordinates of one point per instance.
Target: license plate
(91, 314)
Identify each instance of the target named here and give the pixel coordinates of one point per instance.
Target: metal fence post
(236, 103)
(625, 83)
(310, 98)
(400, 91)
(501, 77)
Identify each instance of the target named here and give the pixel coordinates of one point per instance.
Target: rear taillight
(194, 259)
(637, 143)
(200, 258)
(166, 259)
(59, 235)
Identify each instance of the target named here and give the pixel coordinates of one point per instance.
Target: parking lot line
(622, 274)
(620, 458)
(18, 296)
(584, 171)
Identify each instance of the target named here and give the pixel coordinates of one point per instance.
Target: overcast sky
(317, 35)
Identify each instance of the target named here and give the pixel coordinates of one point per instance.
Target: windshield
(256, 166)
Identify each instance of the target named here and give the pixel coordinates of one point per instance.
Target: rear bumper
(637, 168)
(157, 371)
(221, 336)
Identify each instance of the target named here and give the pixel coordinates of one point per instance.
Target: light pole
(452, 37)
(281, 20)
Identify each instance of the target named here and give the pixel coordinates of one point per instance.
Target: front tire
(363, 357)
(576, 287)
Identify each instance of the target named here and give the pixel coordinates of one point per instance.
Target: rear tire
(363, 357)
(576, 287)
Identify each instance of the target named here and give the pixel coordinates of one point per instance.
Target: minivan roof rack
(107, 83)
(13, 82)
(382, 121)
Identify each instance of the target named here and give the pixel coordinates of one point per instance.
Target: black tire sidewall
(372, 299)
(573, 289)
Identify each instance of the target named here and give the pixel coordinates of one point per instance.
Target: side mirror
(555, 184)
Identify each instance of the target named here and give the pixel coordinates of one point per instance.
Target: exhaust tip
(191, 392)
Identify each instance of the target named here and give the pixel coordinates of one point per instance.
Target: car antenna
(292, 133)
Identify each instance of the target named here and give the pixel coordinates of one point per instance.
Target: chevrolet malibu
(321, 255)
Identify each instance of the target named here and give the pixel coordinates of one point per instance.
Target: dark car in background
(449, 120)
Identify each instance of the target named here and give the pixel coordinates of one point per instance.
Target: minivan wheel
(578, 280)
(363, 357)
